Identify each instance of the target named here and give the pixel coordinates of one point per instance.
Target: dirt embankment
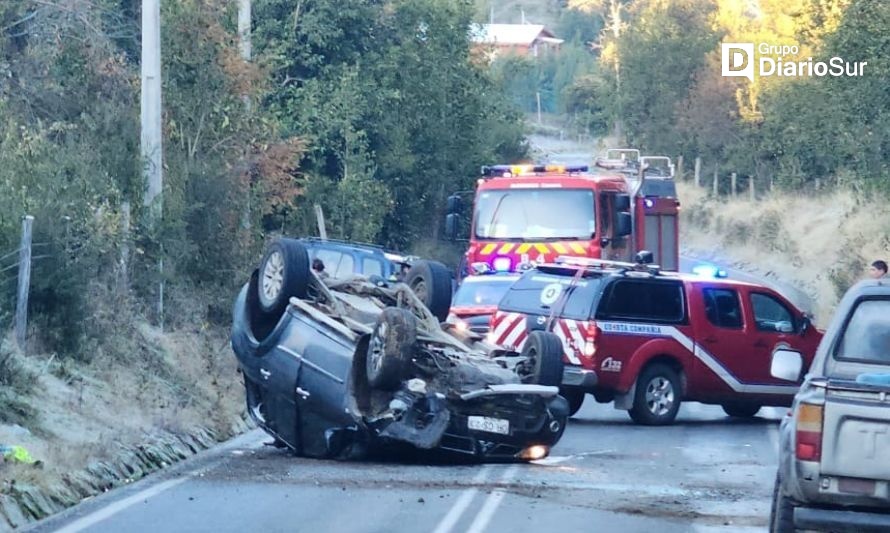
(820, 243)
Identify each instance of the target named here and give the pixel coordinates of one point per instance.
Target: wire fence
(10, 263)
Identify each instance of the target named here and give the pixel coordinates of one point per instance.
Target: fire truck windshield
(535, 214)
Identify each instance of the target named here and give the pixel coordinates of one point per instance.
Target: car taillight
(809, 432)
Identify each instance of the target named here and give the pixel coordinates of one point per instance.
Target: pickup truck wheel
(542, 359)
(657, 396)
(283, 273)
(390, 348)
(575, 397)
(431, 282)
(781, 519)
(741, 410)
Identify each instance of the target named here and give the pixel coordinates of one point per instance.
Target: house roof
(509, 34)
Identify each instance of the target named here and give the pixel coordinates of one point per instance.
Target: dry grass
(821, 243)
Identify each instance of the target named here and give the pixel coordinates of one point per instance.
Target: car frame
(340, 367)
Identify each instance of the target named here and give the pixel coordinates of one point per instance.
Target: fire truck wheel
(431, 282)
(657, 396)
(390, 348)
(542, 355)
(574, 396)
(283, 273)
(741, 410)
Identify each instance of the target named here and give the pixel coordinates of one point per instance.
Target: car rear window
(643, 300)
(371, 267)
(867, 335)
(536, 292)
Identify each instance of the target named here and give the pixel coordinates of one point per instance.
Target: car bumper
(575, 376)
(840, 520)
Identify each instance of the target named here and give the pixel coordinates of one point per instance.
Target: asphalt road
(705, 473)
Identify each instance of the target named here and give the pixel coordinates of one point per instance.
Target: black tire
(741, 410)
(391, 348)
(431, 282)
(575, 398)
(657, 396)
(543, 359)
(283, 273)
(781, 517)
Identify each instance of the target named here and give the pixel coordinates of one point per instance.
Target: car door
(279, 372)
(721, 334)
(775, 324)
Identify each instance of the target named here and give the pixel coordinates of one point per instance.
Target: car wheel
(657, 396)
(781, 519)
(575, 397)
(542, 359)
(741, 410)
(283, 273)
(390, 348)
(431, 282)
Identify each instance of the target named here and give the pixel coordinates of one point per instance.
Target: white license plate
(491, 425)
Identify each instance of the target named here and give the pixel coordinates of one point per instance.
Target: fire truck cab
(524, 214)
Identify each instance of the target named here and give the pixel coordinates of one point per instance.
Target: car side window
(371, 267)
(346, 268)
(643, 300)
(770, 314)
(866, 337)
(722, 308)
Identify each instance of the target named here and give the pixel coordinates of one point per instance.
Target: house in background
(521, 39)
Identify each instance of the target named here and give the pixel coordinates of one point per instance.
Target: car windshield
(535, 214)
(867, 336)
(536, 292)
(486, 290)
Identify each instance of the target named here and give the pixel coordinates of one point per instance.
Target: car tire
(781, 518)
(657, 396)
(431, 282)
(543, 359)
(741, 410)
(391, 348)
(575, 398)
(283, 274)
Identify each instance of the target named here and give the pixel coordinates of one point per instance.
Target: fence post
(733, 177)
(319, 218)
(679, 168)
(751, 195)
(698, 172)
(125, 244)
(24, 282)
(716, 170)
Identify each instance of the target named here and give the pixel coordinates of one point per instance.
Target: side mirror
(451, 222)
(623, 224)
(786, 365)
(644, 257)
(805, 324)
(454, 204)
(622, 202)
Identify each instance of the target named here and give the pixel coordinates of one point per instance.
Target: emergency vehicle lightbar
(490, 171)
(591, 262)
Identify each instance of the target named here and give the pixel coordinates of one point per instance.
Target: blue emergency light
(502, 264)
(708, 271)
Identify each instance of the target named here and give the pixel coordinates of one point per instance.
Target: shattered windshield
(535, 214)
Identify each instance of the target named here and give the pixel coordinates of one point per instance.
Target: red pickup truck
(647, 340)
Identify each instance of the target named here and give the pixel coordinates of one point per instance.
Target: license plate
(488, 424)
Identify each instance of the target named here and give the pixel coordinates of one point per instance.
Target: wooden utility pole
(319, 218)
(751, 194)
(24, 283)
(698, 172)
(125, 245)
(151, 138)
(733, 177)
(538, 99)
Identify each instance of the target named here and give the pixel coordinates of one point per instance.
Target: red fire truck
(535, 213)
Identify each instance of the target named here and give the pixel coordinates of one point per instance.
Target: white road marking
(116, 507)
(449, 520)
(491, 503)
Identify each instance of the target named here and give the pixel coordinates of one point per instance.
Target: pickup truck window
(867, 335)
(643, 300)
(535, 293)
(722, 308)
(770, 314)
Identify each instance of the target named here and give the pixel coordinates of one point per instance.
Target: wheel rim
(376, 350)
(659, 396)
(419, 288)
(273, 277)
(530, 364)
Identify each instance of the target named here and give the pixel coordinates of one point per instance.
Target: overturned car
(340, 367)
